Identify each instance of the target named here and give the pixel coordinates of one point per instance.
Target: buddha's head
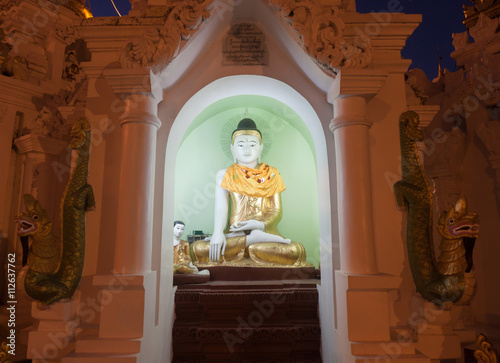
(178, 228)
(246, 145)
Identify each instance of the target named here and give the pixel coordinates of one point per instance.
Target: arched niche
(298, 149)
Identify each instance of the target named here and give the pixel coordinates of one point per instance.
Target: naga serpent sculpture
(54, 273)
(447, 279)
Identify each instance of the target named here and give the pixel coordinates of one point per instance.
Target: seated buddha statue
(182, 259)
(254, 191)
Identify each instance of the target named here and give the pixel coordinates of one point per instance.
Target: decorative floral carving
(485, 352)
(158, 47)
(6, 5)
(321, 32)
(68, 33)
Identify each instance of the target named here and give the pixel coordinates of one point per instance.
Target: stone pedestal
(57, 328)
(247, 321)
(436, 337)
(364, 320)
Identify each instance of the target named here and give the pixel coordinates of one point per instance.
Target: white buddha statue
(254, 190)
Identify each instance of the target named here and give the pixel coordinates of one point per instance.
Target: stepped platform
(244, 318)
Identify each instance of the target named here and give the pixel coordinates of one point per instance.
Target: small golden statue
(182, 259)
(254, 190)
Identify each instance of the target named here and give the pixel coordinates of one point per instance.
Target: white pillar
(140, 123)
(132, 285)
(354, 188)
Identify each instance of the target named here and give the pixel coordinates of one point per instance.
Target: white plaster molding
(39, 144)
(425, 113)
(19, 93)
(357, 82)
(339, 122)
(133, 81)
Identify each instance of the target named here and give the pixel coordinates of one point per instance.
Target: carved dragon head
(457, 223)
(35, 220)
(80, 134)
(409, 122)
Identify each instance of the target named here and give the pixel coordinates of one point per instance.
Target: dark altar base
(248, 315)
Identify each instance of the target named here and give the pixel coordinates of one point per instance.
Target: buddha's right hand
(217, 246)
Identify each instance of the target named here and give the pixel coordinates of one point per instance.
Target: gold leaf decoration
(485, 353)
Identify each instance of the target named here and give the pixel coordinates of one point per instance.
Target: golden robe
(265, 254)
(182, 259)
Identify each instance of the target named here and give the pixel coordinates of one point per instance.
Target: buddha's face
(246, 148)
(178, 230)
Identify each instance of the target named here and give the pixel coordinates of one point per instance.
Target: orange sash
(263, 182)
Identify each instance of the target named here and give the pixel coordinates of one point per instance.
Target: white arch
(250, 85)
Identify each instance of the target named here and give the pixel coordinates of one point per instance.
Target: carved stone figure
(71, 67)
(254, 190)
(447, 280)
(53, 276)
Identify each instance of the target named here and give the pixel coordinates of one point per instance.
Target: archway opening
(295, 144)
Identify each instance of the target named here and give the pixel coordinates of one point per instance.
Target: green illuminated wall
(287, 146)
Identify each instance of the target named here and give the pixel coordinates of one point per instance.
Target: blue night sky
(440, 19)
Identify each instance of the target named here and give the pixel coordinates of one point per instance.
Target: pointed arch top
(319, 29)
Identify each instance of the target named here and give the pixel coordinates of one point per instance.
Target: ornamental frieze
(321, 33)
(158, 46)
(320, 30)
(6, 5)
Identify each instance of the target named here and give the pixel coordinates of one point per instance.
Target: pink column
(354, 189)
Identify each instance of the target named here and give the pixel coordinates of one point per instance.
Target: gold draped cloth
(263, 182)
(262, 204)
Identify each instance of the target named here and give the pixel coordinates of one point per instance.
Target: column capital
(338, 122)
(349, 111)
(140, 117)
(132, 81)
(357, 82)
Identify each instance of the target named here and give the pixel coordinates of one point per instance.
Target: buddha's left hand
(249, 225)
